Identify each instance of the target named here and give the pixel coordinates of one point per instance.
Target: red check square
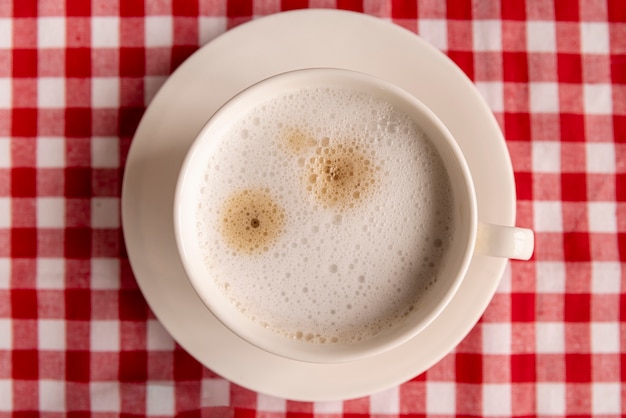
(523, 368)
(78, 8)
(77, 182)
(24, 304)
(565, 11)
(576, 246)
(578, 368)
(25, 8)
(569, 68)
(469, 368)
(573, 187)
(616, 11)
(132, 62)
(523, 307)
(23, 242)
(77, 366)
(515, 66)
(286, 5)
(77, 304)
(133, 366)
(24, 122)
(459, 9)
(132, 305)
(131, 8)
(77, 122)
(400, 9)
(185, 366)
(235, 8)
(577, 308)
(78, 62)
(25, 364)
(513, 10)
(352, 5)
(78, 243)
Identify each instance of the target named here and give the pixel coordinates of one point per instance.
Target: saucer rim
(266, 364)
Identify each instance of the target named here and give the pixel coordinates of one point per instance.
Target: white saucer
(247, 54)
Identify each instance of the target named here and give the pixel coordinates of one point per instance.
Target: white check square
(606, 277)
(215, 392)
(496, 338)
(546, 157)
(105, 212)
(268, 403)
(550, 398)
(605, 337)
(602, 217)
(6, 93)
(50, 212)
(548, 216)
(50, 152)
(540, 36)
(159, 31)
(105, 273)
(434, 31)
(440, 398)
(497, 400)
(105, 92)
(160, 398)
(105, 152)
(105, 32)
(487, 35)
(5, 273)
(550, 337)
(328, 407)
(6, 33)
(598, 99)
(385, 402)
(5, 212)
(51, 334)
(105, 335)
(50, 273)
(52, 396)
(6, 395)
(493, 93)
(600, 157)
(544, 97)
(550, 277)
(6, 334)
(594, 37)
(51, 32)
(210, 27)
(105, 397)
(606, 399)
(5, 152)
(51, 92)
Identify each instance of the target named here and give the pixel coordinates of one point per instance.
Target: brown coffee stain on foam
(342, 175)
(251, 221)
(297, 141)
(339, 174)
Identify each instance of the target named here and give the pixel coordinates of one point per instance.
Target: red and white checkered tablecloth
(76, 335)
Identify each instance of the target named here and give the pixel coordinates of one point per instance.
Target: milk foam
(339, 269)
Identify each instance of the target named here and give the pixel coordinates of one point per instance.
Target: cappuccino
(324, 215)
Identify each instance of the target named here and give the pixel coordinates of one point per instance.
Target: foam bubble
(318, 209)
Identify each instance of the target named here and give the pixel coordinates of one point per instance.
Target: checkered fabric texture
(76, 335)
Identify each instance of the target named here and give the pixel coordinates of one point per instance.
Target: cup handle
(505, 241)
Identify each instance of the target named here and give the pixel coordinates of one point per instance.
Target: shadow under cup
(451, 268)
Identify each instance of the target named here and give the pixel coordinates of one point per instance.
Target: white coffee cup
(470, 237)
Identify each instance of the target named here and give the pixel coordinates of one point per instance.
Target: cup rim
(289, 350)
